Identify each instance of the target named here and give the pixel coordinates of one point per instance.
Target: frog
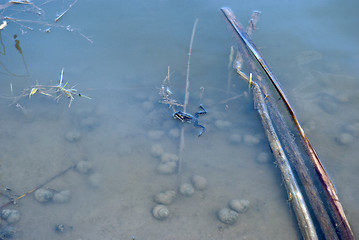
(187, 117)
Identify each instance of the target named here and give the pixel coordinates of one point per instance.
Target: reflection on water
(124, 133)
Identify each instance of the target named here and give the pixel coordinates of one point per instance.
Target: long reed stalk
(186, 97)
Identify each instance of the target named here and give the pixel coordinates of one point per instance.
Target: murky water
(312, 48)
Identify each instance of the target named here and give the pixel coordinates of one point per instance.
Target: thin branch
(39, 186)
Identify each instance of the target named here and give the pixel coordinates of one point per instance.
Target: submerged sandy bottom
(119, 148)
(118, 202)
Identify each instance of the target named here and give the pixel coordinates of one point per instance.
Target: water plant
(53, 91)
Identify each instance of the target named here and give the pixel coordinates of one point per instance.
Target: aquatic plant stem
(186, 96)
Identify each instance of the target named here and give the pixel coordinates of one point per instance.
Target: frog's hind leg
(195, 123)
(204, 111)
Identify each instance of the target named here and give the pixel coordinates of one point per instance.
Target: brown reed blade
(288, 142)
(343, 226)
(295, 196)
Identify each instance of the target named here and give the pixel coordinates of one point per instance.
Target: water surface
(312, 48)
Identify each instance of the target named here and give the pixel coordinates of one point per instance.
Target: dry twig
(166, 93)
(64, 12)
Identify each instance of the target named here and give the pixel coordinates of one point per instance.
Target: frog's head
(179, 115)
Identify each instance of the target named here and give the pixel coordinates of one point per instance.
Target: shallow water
(312, 48)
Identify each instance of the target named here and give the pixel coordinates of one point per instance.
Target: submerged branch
(14, 201)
